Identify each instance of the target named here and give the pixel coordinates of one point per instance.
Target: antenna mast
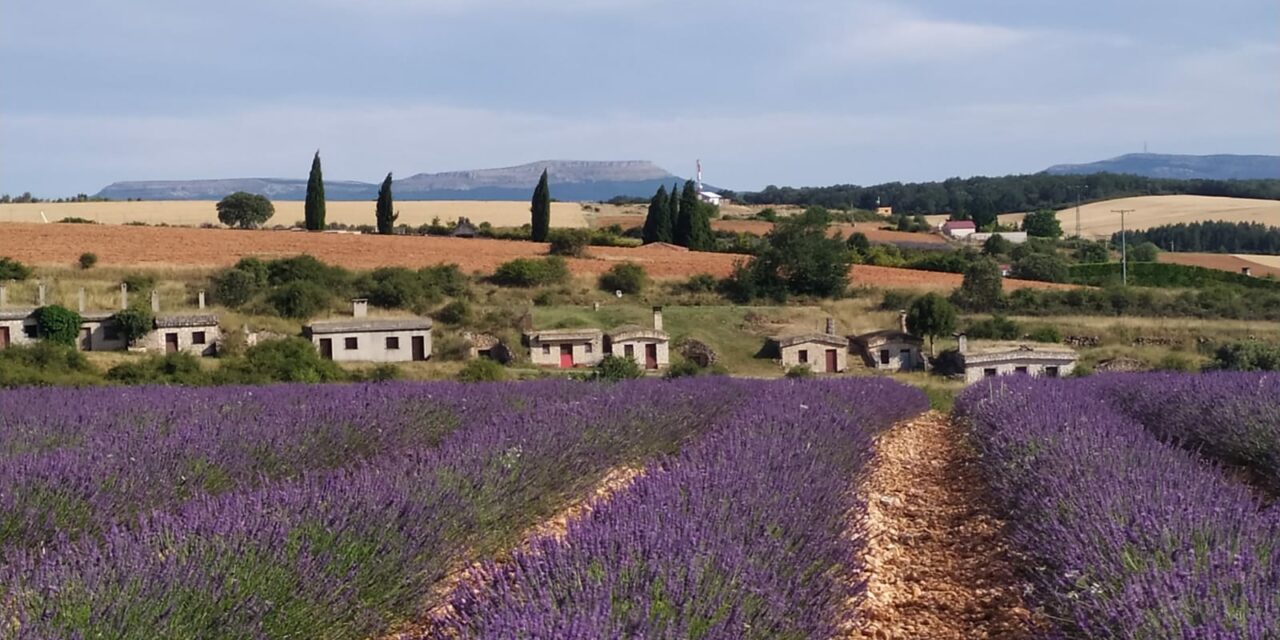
(699, 178)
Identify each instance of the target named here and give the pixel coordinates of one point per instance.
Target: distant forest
(1211, 237)
(981, 199)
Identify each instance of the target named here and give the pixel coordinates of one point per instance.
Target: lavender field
(1125, 496)
(331, 511)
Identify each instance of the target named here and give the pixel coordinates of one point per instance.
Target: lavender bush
(335, 553)
(745, 534)
(1126, 537)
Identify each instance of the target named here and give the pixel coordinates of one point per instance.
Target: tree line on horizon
(1209, 236)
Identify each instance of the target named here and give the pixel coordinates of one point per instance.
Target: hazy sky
(799, 92)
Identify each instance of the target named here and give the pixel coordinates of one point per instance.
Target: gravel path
(937, 565)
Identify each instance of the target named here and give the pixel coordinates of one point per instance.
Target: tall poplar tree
(657, 214)
(313, 211)
(385, 212)
(541, 209)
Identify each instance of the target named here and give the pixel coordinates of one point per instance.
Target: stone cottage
(649, 348)
(890, 349)
(820, 352)
(1003, 359)
(365, 339)
(566, 348)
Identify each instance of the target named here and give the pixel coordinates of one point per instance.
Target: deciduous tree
(245, 210)
(931, 315)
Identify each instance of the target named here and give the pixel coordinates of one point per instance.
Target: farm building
(484, 345)
(890, 349)
(959, 228)
(820, 352)
(711, 197)
(196, 334)
(1014, 237)
(365, 339)
(566, 348)
(1002, 359)
(650, 348)
(884, 211)
(16, 327)
(464, 229)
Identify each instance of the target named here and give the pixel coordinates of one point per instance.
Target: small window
(630, 351)
(884, 356)
(587, 348)
(351, 344)
(1052, 372)
(112, 332)
(989, 372)
(30, 330)
(393, 343)
(198, 337)
(804, 356)
(546, 349)
(1020, 370)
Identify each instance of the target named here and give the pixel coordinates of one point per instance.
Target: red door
(651, 356)
(4, 337)
(831, 361)
(566, 356)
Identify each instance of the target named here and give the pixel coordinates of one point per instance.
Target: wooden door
(170, 343)
(651, 356)
(4, 337)
(832, 361)
(86, 340)
(419, 348)
(566, 356)
(326, 348)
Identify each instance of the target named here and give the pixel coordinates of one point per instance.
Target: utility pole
(1078, 189)
(1124, 247)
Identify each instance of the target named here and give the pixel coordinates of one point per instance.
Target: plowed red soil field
(760, 227)
(127, 246)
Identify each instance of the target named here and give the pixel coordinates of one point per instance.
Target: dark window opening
(351, 344)
(1020, 370)
(198, 338)
(804, 356)
(1052, 372)
(884, 356)
(989, 372)
(393, 343)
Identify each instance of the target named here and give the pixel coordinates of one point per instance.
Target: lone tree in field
(314, 208)
(541, 209)
(983, 286)
(245, 210)
(386, 217)
(657, 218)
(931, 315)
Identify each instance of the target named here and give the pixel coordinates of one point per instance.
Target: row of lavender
(320, 552)
(745, 534)
(76, 463)
(1232, 417)
(1126, 536)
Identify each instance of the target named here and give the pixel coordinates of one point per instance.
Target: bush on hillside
(58, 325)
(482, 370)
(134, 323)
(287, 360)
(1045, 333)
(455, 313)
(1247, 356)
(532, 272)
(1043, 267)
(997, 327)
(570, 243)
(235, 287)
(172, 368)
(799, 372)
(627, 277)
(615, 369)
(300, 300)
(139, 283)
(11, 269)
(699, 283)
(45, 364)
(87, 260)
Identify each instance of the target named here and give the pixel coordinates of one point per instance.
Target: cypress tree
(682, 230)
(657, 214)
(314, 209)
(673, 211)
(666, 220)
(702, 239)
(385, 214)
(541, 209)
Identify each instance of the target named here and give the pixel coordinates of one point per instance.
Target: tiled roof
(551, 335)
(820, 338)
(175, 322)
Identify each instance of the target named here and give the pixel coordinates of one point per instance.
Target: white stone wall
(586, 352)
(976, 371)
(911, 361)
(371, 346)
(17, 334)
(817, 356)
(99, 340)
(155, 341)
(619, 350)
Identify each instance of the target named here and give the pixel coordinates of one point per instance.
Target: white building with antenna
(709, 197)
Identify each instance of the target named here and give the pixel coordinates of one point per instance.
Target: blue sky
(803, 92)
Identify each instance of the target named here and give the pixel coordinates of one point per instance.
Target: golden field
(1097, 219)
(197, 212)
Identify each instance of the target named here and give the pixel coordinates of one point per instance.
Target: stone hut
(820, 352)
(365, 339)
(566, 348)
(1002, 359)
(649, 348)
(890, 349)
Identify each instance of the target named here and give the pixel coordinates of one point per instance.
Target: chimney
(81, 299)
(1246, 271)
(657, 318)
(155, 301)
(40, 291)
(963, 341)
(200, 300)
(831, 326)
(902, 321)
(124, 296)
(359, 307)
(4, 295)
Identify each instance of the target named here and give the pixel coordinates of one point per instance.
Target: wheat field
(197, 212)
(1098, 220)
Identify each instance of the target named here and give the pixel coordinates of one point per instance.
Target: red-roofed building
(959, 228)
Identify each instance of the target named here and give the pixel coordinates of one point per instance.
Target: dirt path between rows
(437, 604)
(937, 564)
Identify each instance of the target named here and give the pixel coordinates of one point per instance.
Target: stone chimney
(831, 326)
(963, 341)
(124, 296)
(155, 301)
(359, 308)
(200, 300)
(902, 321)
(1246, 271)
(4, 295)
(657, 318)
(40, 294)
(81, 299)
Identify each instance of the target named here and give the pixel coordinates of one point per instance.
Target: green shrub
(11, 269)
(446, 279)
(570, 242)
(235, 287)
(615, 369)
(482, 370)
(699, 283)
(45, 364)
(626, 277)
(396, 288)
(994, 328)
(683, 369)
(300, 299)
(532, 272)
(1247, 356)
(455, 313)
(799, 372)
(1043, 267)
(88, 260)
(1045, 333)
(1164, 275)
(305, 268)
(255, 267)
(134, 322)
(77, 220)
(58, 325)
(172, 368)
(381, 373)
(287, 360)
(140, 283)
(897, 300)
(1175, 361)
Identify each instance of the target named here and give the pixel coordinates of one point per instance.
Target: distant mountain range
(571, 180)
(1154, 165)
